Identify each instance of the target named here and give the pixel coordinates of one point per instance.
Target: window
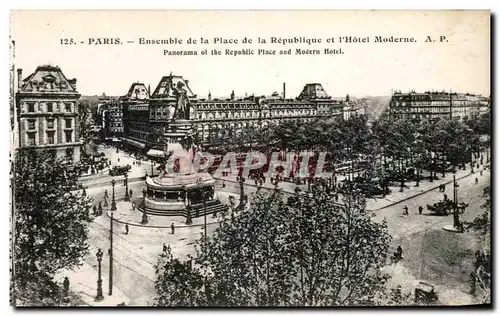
(68, 136)
(50, 123)
(31, 139)
(68, 107)
(31, 107)
(68, 123)
(50, 137)
(69, 152)
(50, 107)
(31, 124)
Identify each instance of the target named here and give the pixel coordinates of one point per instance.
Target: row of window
(49, 138)
(49, 107)
(50, 123)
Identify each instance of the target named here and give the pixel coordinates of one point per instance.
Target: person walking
(420, 209)
(66, 285)
(476, 180)
(172, 227)
(106, 193)
(126, 229)
(130, 193)
(405, 210)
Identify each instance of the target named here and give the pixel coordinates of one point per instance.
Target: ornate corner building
(151, 120)
(47, 116)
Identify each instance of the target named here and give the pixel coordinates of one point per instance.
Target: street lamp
(144, 220)
(113, 202)
(125, 181)
(241, 181)
(205, 194)
(99, 296)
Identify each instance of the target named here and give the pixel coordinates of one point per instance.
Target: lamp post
(125, 181)
(205, 193)
(152, 167)
(242, 193)
(113, 202)
(456, 220)
(111, 255)
(99, 296)
(144, 220)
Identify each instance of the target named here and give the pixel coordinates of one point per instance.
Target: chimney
(73, 82)
(284, 90)
(149, 89)
(19, 78)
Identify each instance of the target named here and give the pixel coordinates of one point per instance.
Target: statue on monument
(183, 106)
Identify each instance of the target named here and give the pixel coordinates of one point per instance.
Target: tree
(482, 226)
(310, 252)
(50, 220)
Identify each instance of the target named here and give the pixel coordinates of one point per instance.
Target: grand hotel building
(433, 105)
(147, 117)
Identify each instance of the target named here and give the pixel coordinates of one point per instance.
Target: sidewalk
(83, 283)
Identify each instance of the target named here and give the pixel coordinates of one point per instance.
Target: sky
(461, 64)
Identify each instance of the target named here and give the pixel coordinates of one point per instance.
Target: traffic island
(125, 214)
(452, 229)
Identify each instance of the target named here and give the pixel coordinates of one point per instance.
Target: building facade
(433, 105)
(135, 105)
(149, 122)
(47, 113)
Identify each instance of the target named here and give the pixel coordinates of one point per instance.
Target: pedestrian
(472, 283)
(118, 159)
(478, 259)
(126, 229)
(476, 180)
(420, 210)
(130, 192)
(405, 210)
(66, 285)
(445, 197)
(172, 227)
(481, 172)
(223, 183)
(399, 253)
(133, 205)
(164, 248)
(94, 208)
(106, 193)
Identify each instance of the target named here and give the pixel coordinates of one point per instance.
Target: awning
(134, 142)
(155, 153)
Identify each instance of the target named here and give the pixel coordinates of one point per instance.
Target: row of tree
(389, 148)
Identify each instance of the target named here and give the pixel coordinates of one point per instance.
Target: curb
(420, 193)
(158, 226)
(105, 183)
(253, 185)
(104, 171)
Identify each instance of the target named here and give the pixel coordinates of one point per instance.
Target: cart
(425, 293)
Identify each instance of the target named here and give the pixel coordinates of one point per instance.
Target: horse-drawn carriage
(446, 207)
(425, 293)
